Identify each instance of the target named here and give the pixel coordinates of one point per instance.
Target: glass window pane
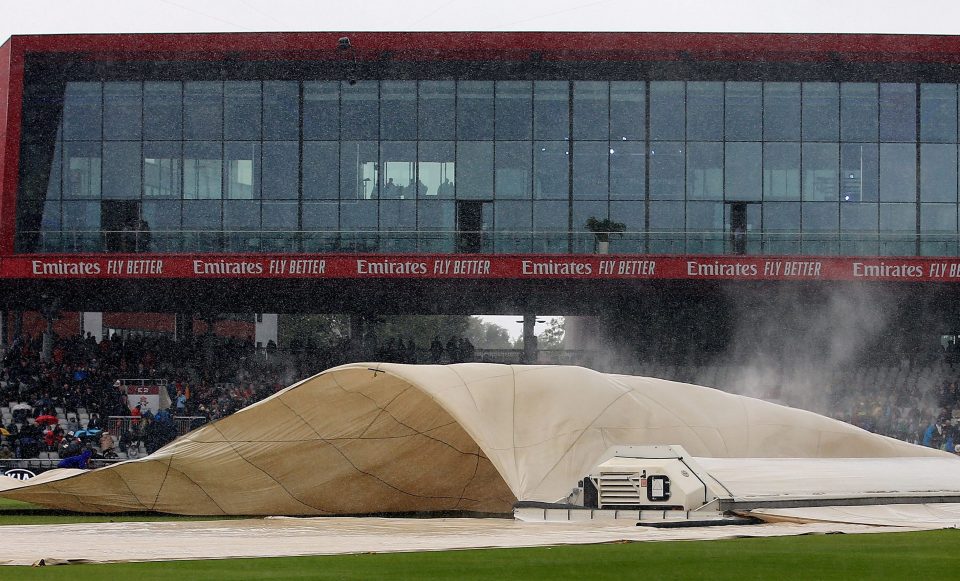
(436, 112)
(359, 109)
(202, 170)
(667, 117)
(321, 175)
(436, 215)
(81, 216)
(704, 217)
(781, 217)
(627, 110)
(744, 103)
(551, 177)
(938, 113)
(81, 111)
(201, 215)
(81, 169)
(398, 161)
(666, 171)
(858, 111)
(781, 223)
(55, 177)
(161, 217)
(241, 109)
(242, 166)
(591, 170)
(281, 165)
(161, 169)
(705, 111)
(474, 110)
(203, 110)
(321, 110)
(551, 224)
(938, 218)
(358, 215)
(898, 172)
(121, 170)
(514, 169)
(280, 216)
(781, 111)
(666, 216)
(281, 110)
(162, 114)
(514, 107)
(398, 215)
(240, 215)
(582, 212)
(437, 169)
(821, 114)
(820, 216)
(358, 170)
(475, 170)
(551, 110)
(898, 218)
(898, 112)
(512, 216)
(321, 216)
(704, 171)
(858, 217)
(591, 110)
(628, 162)
(820, 166)
(781, 171)
(122, 106)
(938, 173)
(398, 110)
(742, 177)
(859, 172)
(633, 216)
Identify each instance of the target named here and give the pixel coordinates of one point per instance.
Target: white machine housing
(647, 477)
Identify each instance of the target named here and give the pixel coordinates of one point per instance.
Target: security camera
(343, 43)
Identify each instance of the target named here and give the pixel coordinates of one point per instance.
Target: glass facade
(858, 168)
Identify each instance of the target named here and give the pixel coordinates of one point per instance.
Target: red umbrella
(47, 419)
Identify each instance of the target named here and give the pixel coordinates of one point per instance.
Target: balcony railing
(511, 242)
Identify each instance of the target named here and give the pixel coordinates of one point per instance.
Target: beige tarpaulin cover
(378, 437)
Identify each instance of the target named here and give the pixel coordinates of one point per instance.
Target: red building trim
(441, 46)
(11, 93)
(480, 266)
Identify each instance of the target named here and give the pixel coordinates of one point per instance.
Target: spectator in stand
(436, 350)
(94, 423)
(108, 445)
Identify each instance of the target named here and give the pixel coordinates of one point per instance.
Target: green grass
(908, 555)
(922, 555)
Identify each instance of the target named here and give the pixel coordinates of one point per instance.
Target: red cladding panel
(506, 46)
(9, 139)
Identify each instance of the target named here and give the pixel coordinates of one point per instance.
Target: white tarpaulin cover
(388, 438)
(289, 537)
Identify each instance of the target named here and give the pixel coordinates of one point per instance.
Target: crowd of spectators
(211, 377)
(206, 378)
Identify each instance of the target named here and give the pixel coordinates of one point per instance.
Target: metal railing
(715, 242)
(119, 425)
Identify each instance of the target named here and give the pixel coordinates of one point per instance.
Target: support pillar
(530, 351)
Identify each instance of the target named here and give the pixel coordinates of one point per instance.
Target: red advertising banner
(461, 266)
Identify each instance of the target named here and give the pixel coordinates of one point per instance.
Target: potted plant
(602, 229)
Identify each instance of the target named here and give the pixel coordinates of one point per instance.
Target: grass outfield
(920, 555)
